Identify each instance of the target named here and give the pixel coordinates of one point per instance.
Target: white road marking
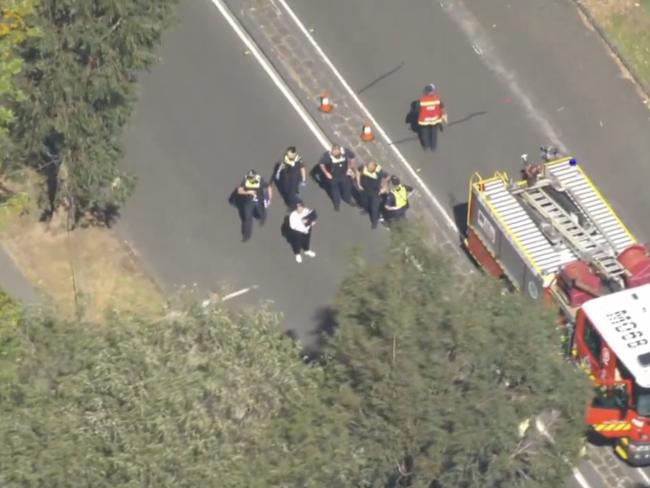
(215, 298)
(448, 219)
(470, 25)
(643, 475)
(579, 477)
(237, 293)
(268, 68)
(582, 481)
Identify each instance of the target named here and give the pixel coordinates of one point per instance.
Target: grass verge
(85, 272)
(627, 24)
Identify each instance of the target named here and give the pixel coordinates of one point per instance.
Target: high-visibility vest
(430, 110)
(253, 184)
(371, 174)
(291, 162)
(401, 196)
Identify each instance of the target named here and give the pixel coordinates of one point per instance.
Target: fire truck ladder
(603, 257)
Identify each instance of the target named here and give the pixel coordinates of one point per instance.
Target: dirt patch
(86, 272)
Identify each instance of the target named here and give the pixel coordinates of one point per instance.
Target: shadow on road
(460, 217)
(459, 210)
(411, 120)
(326, 324)
(382, 77)
(596, 440)
(466, 118)
(406, 139)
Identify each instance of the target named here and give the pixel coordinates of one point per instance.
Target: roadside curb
(586, 12)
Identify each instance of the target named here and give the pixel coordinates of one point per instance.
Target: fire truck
(552, 235)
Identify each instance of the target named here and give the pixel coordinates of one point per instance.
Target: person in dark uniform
(431, 117)
(397, 200)
(290, 176)
(252, 198)
(337, 166)
(371, 182)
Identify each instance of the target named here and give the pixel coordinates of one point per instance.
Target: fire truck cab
(553, 236)
(612, 342)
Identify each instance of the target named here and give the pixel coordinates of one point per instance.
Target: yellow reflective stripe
(612, 427)
(430, 104)
(621, 452)
(431, 121)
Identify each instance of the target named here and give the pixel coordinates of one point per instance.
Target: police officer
(397, 200)
(431, 117)
(253, 196)
(337, 166)
(290, 176)
(371, 182)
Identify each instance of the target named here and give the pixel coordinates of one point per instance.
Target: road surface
(514, 75)
(505, 98)
(207, 114)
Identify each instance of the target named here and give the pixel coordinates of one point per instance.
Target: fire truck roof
(623, 321)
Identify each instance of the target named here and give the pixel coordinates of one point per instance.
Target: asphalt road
(513, 76)
(535, 52)
(206, 115)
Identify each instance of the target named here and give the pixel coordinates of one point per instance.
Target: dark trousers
(429, 135)
(395, 215)
(289, 187)
(248, 210)
(371, 204)
(299, 241)
(340, 189)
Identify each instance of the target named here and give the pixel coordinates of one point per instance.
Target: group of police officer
(381, 195)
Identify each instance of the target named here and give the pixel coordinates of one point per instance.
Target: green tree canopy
(441, 372)
(203, 398)
(14, 29)
(432, 380)
(80, 83)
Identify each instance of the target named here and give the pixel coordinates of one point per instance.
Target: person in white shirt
(301, 221)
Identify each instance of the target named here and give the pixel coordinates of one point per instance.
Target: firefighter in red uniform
(431, 116)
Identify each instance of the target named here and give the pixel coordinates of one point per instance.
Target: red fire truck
(553, 236)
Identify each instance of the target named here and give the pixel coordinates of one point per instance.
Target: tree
(205, 397)
(441, 372)
(80, 77)
(14, 29)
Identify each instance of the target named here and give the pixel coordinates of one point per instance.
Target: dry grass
(627, 23)
(87, 271)
(605, 9)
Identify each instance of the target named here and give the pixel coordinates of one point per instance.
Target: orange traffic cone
(325, 105)
(366, 133)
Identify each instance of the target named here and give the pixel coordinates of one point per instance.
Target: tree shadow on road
(326, 325)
